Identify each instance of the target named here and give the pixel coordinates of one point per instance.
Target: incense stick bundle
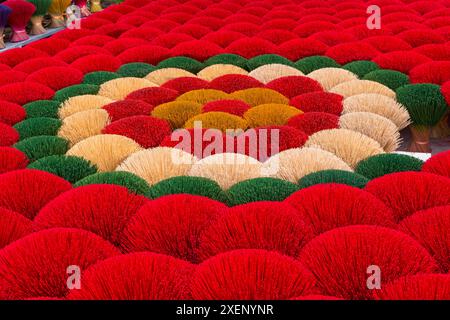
(36, 20)
(19, 17)
(4, 14)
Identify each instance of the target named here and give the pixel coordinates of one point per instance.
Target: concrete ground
(437, 145)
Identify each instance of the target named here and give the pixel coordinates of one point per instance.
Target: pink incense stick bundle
(19, 17)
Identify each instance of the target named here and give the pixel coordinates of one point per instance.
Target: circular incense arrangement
(225, 150)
